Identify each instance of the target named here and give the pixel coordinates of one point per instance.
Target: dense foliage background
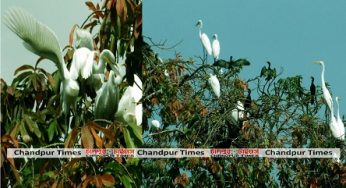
(177, 93)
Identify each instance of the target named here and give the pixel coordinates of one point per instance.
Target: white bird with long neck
(340, 127)
(327, 96)
(83, 38)
(216, 47)
(215, 84)
(41, 40)
(107, 98)
(204, 38)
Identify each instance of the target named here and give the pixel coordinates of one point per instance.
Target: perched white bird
(155, 123)
(216, 47)
(83, 38)
(339, 124)
(326, 94)
(215, 84)
(129, 107)
(238, 112)
(107, 98)
(204, 38)
(42, 41)
(82, 63)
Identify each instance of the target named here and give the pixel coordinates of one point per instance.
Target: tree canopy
(277, 112)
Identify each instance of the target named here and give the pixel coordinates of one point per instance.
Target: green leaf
(32, 126)
(128, 140)
(52, 129)
(136, 131)
(21, 77)
(126, 180)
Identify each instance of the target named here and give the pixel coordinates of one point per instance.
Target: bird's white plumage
(327, 96)
(82, 63)
(238, 112)
(107, 98)
(129, 107)
(38, 38)
(204, 38)
(216, 47)
(215, 84)
(83, 38)
(155, 123)
(42, 41)
(340, 127)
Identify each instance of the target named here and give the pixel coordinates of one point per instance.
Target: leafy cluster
(176, 92)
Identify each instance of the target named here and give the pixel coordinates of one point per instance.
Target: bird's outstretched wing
(37, 37)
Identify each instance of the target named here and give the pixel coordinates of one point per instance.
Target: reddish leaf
(14, 169)
(98, 140)
(91, 6)
(71, 34)
(121, 10)
(55, 184)
(108, 180)
(98, 181)
(109, 133)
(87, 138)
(85, 183)
(22, 68)
(138, 26)
(69, 142)
(51, 80)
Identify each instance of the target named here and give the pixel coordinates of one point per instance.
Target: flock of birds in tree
(336, 124)
(84, 70)
(42, 41)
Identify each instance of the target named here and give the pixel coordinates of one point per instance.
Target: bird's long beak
(316, 62)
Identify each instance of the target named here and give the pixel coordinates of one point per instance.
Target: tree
(177, 93)
(31, 110)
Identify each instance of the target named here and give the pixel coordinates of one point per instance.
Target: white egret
(82, 63)
(107, 98)
(129, 107)
(339, 124)
(42, 41)
(238, 112)
(83, 38)
(216, 47)
(155, 123)
(333, 125)
(326, 94)
(204, 38)
(215, 84)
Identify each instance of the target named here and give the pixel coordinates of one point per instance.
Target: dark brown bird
(312, 91)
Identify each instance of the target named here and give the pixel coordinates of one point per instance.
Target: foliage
(280, 116)
(176, 92)
(31, 112)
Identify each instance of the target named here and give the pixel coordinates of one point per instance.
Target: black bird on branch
(312, 90)
(236, 65)
(268, 73)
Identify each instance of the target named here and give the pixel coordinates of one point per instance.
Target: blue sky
(290, 34)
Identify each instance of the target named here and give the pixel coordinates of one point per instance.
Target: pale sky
(289, 33)
(60, 16)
